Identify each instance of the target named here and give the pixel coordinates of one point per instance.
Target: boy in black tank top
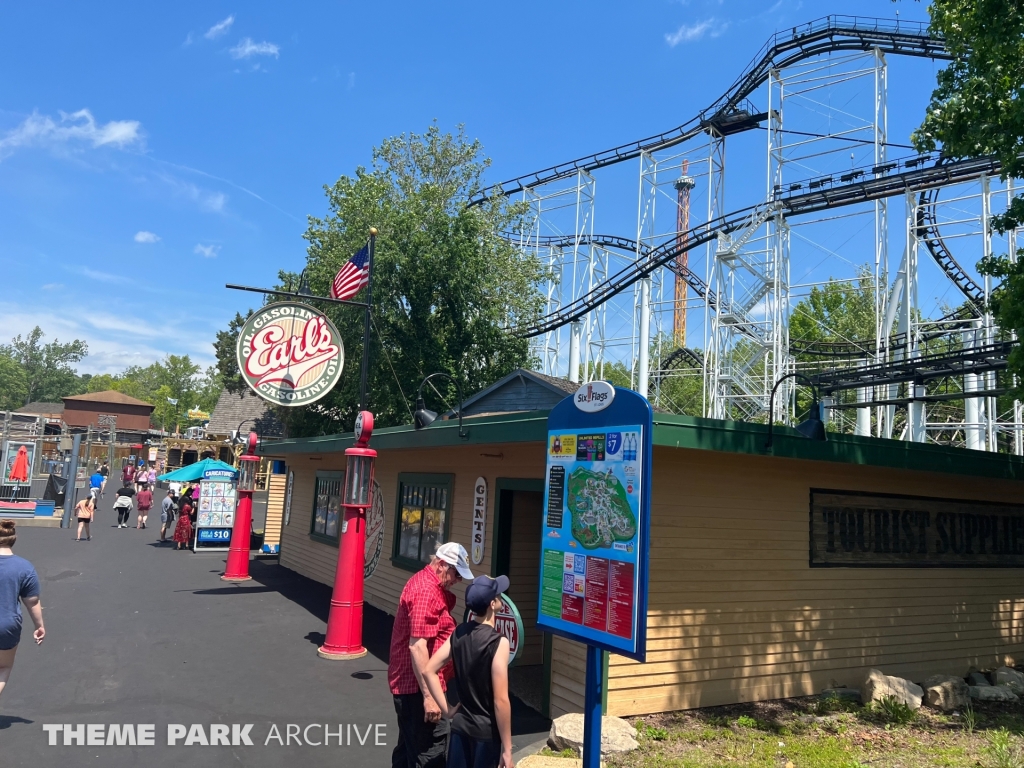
(481, 734)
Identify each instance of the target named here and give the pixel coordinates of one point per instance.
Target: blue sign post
(595, 533)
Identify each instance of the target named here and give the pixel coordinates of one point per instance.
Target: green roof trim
(746, 437)
(529, 427)
(686, 432)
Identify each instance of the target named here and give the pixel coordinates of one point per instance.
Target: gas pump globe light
(247, 470)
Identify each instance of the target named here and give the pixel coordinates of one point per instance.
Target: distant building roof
(107, 396)
(231, 410)
(43, 409)
(521, 390)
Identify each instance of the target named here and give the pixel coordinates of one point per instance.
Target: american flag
(353, 276)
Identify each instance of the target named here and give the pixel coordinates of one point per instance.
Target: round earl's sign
(594, 396)
(290, 354)
(509, 623)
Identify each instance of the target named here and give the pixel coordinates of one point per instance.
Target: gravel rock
(616, 734)
(993, 693)
(879, 685)
(1009, 677)
(946, 692)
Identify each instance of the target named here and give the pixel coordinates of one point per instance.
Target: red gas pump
(345, 624)
(238, 554)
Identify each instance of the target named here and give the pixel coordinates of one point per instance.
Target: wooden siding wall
(318, 561)
(736, 614)
(275, 508)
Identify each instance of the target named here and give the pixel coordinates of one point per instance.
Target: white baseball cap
(455, 554)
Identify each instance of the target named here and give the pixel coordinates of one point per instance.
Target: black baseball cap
(484, 589)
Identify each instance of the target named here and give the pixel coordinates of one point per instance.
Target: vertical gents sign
(595, 532)
(479, 520)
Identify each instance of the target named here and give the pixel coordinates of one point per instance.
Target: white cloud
(220, 28)
(247, 48)
(188, 40)
(688, 33)
(115, 342)
(102, 277)
(131, 326)
(142, 236)
(207, 251)
(52, 286)
(207, 200)
(214, 201)
(73, 129)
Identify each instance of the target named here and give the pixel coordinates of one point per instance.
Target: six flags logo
(290, 354)
(590, 396)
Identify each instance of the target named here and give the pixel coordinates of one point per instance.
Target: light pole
(238, 553)
(813, 427)
(423, 417)
(344, 639)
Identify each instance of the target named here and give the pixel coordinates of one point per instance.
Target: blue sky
(148, 154)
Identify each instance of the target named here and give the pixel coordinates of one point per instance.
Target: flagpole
(363, 405)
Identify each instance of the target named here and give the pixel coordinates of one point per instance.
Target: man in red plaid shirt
(422, 624)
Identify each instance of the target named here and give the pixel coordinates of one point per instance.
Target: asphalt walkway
(141, 634)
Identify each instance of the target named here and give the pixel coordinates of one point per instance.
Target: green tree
(227, 362)
(447, 286)
(13, 384)
(47, 368)
(838, 311)
(977, 109)
(175, 377)
(102, 382)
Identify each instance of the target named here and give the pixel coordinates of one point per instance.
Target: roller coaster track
(727, 115)
(624, 244)
(927, 367)
(869, 185)
(928, 232)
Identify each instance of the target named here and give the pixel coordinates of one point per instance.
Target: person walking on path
(18, 584)
(85, 510)
(128, 474)
(166, 514)
(482, 722)
(145, 500)
(141, 477)
(96, 484)
(422, 625)
(105, 471)
(183, 530)
(151, 477)
(123, 504)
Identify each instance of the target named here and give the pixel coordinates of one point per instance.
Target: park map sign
(596, 507)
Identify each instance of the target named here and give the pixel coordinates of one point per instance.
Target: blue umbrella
(195, 471)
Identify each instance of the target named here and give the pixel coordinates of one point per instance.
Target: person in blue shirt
(18, 584)
(96, 484)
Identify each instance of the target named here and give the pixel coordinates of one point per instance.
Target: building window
(327, 511)
(422, 519)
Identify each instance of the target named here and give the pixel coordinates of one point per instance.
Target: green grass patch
(831, 735)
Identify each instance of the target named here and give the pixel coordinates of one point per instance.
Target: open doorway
(518, 505)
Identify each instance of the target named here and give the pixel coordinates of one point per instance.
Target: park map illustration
(600, 509)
